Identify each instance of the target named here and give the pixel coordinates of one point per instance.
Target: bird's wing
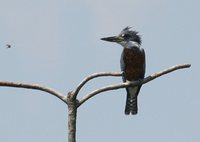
(144, 65)
(122, 65)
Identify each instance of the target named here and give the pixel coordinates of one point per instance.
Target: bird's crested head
(126, 37)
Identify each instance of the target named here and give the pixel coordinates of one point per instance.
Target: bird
(132, 63)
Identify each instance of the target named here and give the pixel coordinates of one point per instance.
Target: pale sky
(57, 43)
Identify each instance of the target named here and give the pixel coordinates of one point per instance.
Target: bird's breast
(134, 61)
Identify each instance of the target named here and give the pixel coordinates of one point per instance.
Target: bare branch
(134, 83)
(71, 98)
(36, 87)
(92, 76)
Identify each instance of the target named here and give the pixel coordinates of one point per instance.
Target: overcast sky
(57, 43)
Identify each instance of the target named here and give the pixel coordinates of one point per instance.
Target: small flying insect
(8, 46)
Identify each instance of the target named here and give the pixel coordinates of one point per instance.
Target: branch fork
(72, 101)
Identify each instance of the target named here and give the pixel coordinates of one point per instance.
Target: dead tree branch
(134, 83)
(35, 87)
(72, 101)
(92, 76)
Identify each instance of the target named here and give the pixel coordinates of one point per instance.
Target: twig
(134, 83)
(36, 87)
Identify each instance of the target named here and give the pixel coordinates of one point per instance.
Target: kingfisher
(132, 64)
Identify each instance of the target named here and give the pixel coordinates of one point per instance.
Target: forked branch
(92, 76)
(71, 98)
(134, 83)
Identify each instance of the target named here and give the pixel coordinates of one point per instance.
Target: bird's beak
(113, 39)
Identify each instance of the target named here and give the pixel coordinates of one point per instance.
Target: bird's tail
(131, 105)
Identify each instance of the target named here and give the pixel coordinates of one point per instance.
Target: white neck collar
(130, 44)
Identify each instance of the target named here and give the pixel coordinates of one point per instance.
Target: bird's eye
(125, 36)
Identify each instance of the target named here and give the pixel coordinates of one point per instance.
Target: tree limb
(92, 76)
(36, 87)
(71, 98)
(134, 83)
